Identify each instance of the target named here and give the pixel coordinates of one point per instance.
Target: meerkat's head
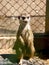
(24, 18)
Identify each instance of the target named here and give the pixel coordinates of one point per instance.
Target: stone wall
(16, 7)
(9, 26)
(35, 8)
(6, 45)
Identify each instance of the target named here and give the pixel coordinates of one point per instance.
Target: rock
(4, 61)
(35, 61)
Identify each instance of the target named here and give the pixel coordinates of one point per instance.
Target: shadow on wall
(41, 42)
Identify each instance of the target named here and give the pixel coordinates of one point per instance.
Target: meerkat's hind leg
(32, 51)
(21, 59)
(32, 55)
(20, 63)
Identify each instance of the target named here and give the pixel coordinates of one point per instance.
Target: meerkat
(25, 35)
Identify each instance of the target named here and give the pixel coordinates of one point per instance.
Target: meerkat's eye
(28, 17)
(18, 17)
(23, 18)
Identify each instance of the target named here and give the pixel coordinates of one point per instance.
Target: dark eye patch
(18, 17)
(27, 17)
(23, 18)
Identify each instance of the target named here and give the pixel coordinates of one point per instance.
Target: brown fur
(26, 37)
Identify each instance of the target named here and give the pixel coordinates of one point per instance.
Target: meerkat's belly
(27, 33)
(27, 27)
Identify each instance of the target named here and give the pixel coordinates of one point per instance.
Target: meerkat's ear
(18, 17)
